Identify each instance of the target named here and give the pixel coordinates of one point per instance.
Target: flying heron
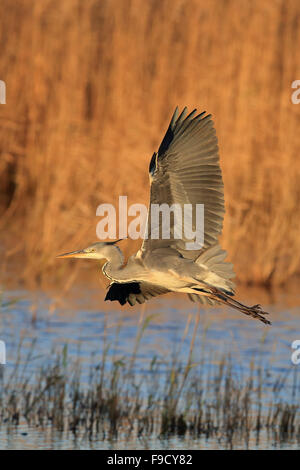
(185, 170)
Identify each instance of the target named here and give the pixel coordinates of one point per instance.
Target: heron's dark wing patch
(186, 170)
(121, 291)
(152, 166)
(169, 135)
(133, 292)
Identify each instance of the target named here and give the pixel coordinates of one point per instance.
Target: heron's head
(99, 250)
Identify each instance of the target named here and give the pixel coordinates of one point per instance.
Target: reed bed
(91, 86)
(177, 398)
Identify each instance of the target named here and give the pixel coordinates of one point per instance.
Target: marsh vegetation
(111, 395)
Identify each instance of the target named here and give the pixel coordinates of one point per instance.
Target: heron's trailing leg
(255, 311)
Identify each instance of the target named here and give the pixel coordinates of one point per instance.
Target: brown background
(91, 85)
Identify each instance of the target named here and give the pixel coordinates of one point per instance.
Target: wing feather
(186, 170)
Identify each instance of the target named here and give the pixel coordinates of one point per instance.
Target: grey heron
(184, 170)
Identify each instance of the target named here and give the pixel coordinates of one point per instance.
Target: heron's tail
(218, 286)
(220, 272)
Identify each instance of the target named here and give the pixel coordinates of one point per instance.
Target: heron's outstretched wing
(186, 170)
(133, 292)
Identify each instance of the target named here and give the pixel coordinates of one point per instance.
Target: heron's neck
(114, 262)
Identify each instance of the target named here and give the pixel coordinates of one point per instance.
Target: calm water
(83, 322)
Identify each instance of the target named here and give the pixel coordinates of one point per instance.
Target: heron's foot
(258, 309)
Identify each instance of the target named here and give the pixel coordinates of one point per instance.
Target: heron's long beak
(74, 254)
